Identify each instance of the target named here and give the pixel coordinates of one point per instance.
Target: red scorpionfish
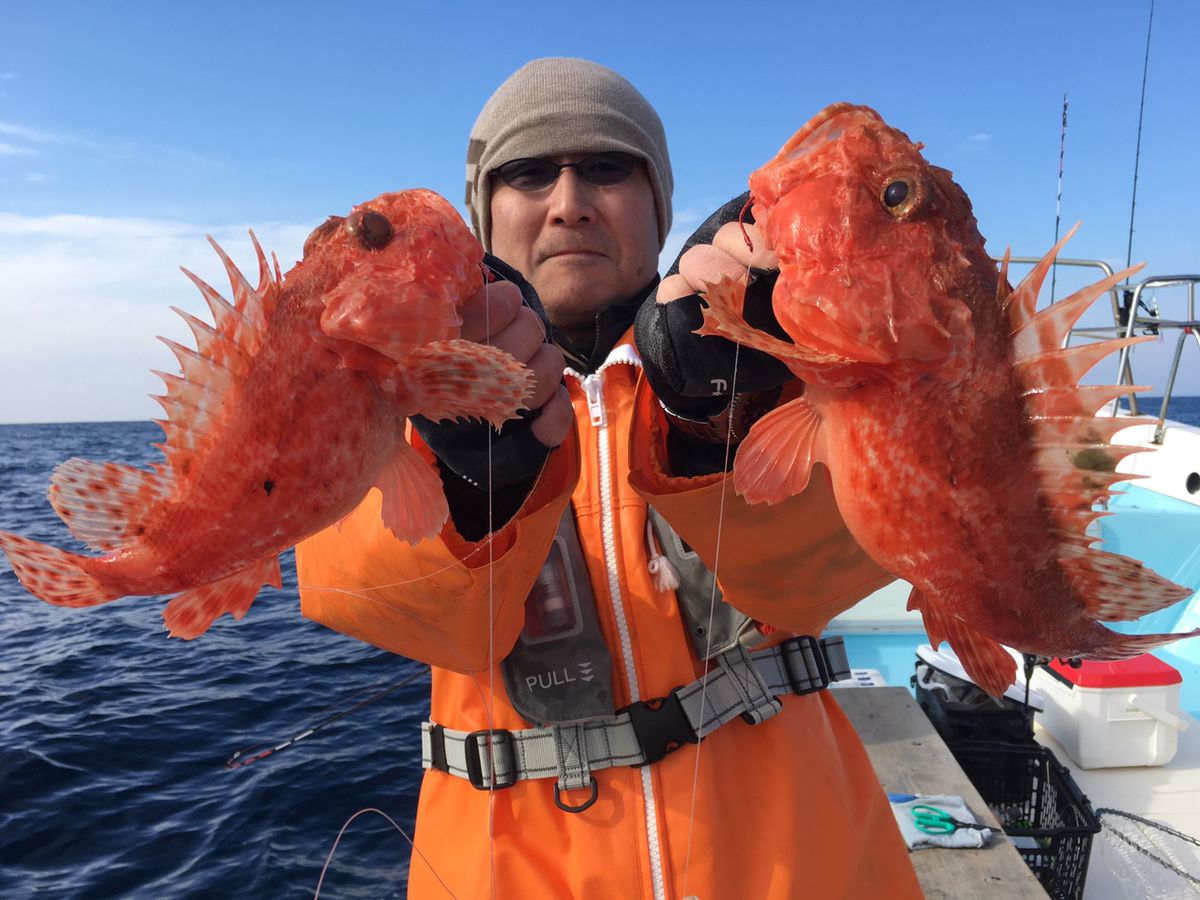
(964, 455)
(290, 409)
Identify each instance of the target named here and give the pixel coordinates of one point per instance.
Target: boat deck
(910, 757)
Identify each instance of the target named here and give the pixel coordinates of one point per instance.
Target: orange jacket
(787, 808)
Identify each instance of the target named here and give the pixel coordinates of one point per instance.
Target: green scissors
(931, 820)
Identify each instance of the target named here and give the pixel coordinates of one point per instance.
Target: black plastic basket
(962, 711)
(1040, 806)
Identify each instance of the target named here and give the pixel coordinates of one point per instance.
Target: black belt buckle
(809, 648)
(661, 727)
(502, 745)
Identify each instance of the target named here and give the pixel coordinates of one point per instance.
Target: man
(571, 591)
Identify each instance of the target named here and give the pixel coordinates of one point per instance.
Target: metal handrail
(1124, 373)
(1186, 327)
(1126, 321)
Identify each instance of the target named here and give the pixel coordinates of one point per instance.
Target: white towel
(955, 807)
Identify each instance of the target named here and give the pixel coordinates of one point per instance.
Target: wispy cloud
(27, 136)
(24, 133)
(978, 141)
(82, 298)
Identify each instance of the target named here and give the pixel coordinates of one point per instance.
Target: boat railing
(1153, 323)
(1132, 314)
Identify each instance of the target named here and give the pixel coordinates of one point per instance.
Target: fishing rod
(1062, 151)
(1137, 157)
(239, 760)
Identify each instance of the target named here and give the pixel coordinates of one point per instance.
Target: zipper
(593, 389)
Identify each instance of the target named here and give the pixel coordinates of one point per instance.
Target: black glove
(516, 456)
(693, 374)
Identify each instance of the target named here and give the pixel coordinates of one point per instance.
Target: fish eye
(901, 195)
(370, 228)
(321, 232)
(894, 193)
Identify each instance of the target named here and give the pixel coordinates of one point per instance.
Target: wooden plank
(910, 757)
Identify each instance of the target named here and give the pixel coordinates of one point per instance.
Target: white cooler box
(1123, 713)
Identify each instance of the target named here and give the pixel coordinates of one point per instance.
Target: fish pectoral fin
(775, 460)
(414, 504)
(724, 300)
(463, 379)
(191, 613)
(987, 663)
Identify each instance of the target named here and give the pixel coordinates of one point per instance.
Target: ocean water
(113, 738)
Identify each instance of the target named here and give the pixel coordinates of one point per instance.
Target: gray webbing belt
(743, 683)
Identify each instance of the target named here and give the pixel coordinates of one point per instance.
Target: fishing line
(372, 809)
(491, 621)
(452, 649)
(712, 597)
(1137, 157)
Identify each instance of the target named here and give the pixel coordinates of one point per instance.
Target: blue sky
(128, 131)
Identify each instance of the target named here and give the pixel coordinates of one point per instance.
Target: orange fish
(292, 406)
(964, 456)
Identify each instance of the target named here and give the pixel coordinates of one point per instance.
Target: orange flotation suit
(786, 808)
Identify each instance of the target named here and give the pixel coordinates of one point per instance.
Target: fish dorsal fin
(1038, 333)
(1074, 459)
(223, 356)
(268, 287)
(105, 504)
(1022, 302)
(1003, 288)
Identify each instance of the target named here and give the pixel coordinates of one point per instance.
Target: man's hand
(728, 254)
(495, 315)
(505, 314)
(693, 375)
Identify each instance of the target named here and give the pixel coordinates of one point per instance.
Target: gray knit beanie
(556, 106)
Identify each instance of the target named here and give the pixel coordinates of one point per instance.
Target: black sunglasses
(534, 173)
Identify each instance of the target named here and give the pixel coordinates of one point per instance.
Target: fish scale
(964, 456)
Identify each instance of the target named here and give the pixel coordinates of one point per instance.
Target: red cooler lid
(1139, 671)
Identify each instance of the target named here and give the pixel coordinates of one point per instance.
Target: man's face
(582, 246)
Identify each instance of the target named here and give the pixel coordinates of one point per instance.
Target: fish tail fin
(414, 503)
(1126, 645)
(54, 575)
(775, 460)
(1116, 587)
(985, 660)
(463, 379)
(191, 613)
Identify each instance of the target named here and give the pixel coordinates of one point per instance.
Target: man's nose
(571, 200)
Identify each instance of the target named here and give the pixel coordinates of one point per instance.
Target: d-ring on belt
(743, 683)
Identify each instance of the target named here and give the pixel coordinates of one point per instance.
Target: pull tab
(595, 398)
